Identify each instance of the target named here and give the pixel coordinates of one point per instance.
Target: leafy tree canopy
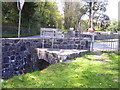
(34, 15)
(115, 26)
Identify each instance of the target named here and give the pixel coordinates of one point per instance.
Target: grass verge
(15, 35)
(84, 72)
(106, 40)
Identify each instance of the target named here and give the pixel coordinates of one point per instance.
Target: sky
(112, 9)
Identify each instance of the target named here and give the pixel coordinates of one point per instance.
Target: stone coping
(60, 51)
(63, 54)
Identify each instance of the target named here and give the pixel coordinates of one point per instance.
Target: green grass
(84, 72)
(106, 40)
(15, 35)
(64, 31)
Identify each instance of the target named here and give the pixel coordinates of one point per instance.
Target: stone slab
(61, 54)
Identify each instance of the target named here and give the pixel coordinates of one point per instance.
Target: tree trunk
(29, 28)
(90, 14)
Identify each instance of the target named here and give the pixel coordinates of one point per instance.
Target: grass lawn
(85, 72)
(11, 35)
(15, 35)
(106, 40)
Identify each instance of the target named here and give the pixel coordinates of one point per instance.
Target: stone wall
(70, 43)
(19, 55)
(97, 36)
(109, 36)
(101, 37)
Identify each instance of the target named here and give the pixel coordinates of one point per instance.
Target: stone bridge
(21, 56)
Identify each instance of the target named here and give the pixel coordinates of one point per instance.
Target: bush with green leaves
(115, 26)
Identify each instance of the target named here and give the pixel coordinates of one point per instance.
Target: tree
(34, 15)
(95, 10)
(114, 27)
(47, 15)
(28, 14)
(72, 14)
(9, 13)
(102, 21)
